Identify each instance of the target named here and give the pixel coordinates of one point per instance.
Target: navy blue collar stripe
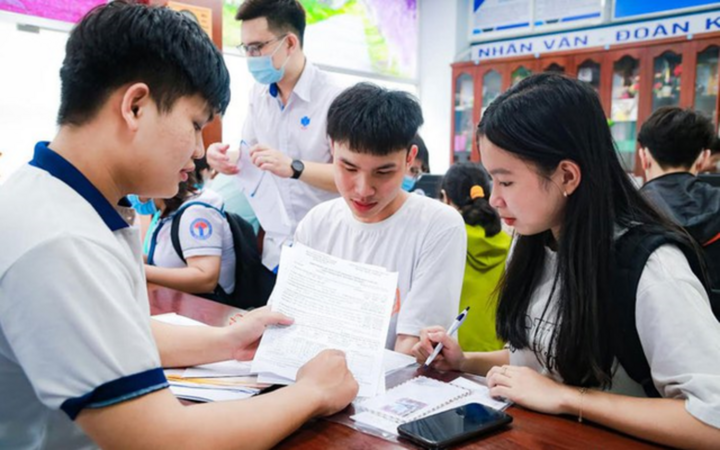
(60, 168)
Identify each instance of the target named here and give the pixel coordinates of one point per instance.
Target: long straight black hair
(545, 119)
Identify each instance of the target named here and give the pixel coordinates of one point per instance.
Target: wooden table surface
(528, 430)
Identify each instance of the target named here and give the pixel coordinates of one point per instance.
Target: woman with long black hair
(559, 183)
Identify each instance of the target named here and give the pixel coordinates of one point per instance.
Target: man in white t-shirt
(80, 360)
(376, 222)
(285, 128)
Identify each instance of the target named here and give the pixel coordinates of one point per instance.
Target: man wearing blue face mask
(420, 165)
(286, 122)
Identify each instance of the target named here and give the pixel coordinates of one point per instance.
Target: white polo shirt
(74, 312)
(203, 231)
(298, 129)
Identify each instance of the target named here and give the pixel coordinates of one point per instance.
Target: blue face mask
(144, 209)
(263, 70)
(408, 183)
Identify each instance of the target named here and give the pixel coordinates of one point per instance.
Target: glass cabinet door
(589, 72)
(464, 126)
(624, 108)
(491, 89)
(667, 71)
(519, 74)
(706, 82)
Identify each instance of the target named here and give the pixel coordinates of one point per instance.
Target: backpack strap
(632, 251)
(219, 294)
(253, 282)
(175, 227)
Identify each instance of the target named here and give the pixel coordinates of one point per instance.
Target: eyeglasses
(255, 49)
(415, 172)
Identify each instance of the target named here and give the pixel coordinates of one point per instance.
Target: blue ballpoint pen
(453, 328)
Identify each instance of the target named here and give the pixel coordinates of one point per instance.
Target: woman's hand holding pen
(450, 358)
(245, 333)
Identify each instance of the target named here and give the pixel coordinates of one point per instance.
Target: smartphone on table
(454, 426)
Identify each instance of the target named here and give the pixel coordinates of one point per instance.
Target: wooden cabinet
(626, 100)
(631, 81)
(464, 116)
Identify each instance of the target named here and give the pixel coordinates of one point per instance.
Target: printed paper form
(336, 304)
(263, 194)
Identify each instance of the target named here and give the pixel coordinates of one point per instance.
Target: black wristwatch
(297, 167)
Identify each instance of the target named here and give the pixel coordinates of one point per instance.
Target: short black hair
(283, 16)
(675, 137)
(715, 145)
(374, 120)
(121, 42)
(422, 155)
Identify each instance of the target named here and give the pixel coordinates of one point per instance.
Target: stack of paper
(336, 304)
(225, 380)
(214, 389)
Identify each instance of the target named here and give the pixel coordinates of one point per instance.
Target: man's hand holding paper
(222, 159)
(336, 304)
(328, 376)
(272, 160)
(244, 335)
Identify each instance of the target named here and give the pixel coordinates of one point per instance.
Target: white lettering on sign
(605, 36)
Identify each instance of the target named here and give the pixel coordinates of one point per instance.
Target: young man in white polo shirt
(376, 222)
(286, 121)
(80, 359)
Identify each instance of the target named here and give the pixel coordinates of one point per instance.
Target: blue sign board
(606, 36)
(625, 9)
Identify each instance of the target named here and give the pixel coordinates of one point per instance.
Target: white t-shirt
(678, 332)
(424, 241)
(74, 313)
(203, 231)
(298, 129)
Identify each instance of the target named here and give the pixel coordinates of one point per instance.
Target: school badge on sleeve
(201, 229)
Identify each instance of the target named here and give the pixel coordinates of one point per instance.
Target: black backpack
(632, 251)
(253, 282)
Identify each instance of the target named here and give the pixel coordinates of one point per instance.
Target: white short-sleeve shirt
(298, 129)
(203, 231)
(74, 313)
(424, 241)
(678, 332)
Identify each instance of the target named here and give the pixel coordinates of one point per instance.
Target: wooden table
(529, 429)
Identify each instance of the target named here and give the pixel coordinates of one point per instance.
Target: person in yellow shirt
(466, 186)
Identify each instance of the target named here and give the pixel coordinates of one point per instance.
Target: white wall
(443, 34)
(29, 92)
